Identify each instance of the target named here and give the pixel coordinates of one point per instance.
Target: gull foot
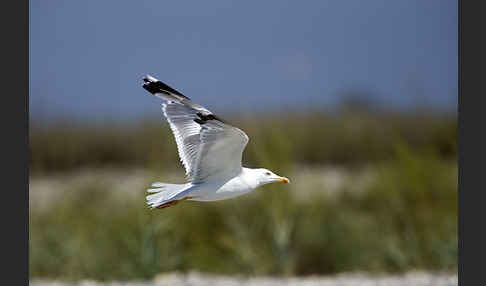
(172, 203)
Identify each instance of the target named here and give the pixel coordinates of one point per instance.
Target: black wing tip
(154, 86)
(203, 119)
(153, 89)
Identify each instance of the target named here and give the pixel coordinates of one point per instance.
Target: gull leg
(172, 203)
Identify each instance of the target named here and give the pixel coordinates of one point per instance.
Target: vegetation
(344, 139)
(405, 219)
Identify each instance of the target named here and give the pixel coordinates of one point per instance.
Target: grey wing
(186, 132)
(220, 152)
(208, 147)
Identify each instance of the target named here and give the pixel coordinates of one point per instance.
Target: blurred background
(354, 101)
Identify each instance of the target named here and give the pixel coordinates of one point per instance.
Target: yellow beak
(283, 180)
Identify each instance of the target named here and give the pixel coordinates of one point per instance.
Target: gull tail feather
(164, 193)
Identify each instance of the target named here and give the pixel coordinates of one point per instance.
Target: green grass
(312, 139)
(406, 220)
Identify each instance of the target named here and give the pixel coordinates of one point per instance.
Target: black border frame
(471, 149)
(15, 153)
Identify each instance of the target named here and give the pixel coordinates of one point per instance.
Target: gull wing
(220, 152)
(208, 147)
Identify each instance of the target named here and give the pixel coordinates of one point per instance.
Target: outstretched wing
(220, 152)
(208, 147)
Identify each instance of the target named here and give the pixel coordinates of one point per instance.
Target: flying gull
(210, 150)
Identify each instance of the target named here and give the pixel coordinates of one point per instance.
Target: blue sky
(87, 58)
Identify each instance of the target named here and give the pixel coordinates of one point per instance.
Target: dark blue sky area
(87, 58)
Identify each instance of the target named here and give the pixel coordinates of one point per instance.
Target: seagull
(210, 150)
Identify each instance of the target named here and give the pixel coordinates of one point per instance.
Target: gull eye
(267, 173)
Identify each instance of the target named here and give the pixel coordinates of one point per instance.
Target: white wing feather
(220, 151)
(208, 148)
(186, 132)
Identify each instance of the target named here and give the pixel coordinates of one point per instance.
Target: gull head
(265, 176)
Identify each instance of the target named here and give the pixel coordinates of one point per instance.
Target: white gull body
(210, 150)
